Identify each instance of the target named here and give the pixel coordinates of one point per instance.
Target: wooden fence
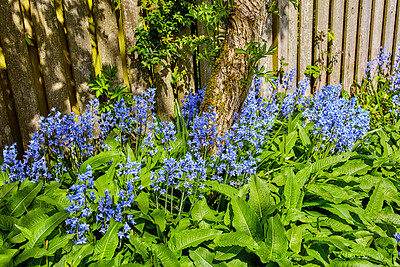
(49, 49)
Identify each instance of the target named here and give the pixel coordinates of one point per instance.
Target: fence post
(337, 18)
(306, 36)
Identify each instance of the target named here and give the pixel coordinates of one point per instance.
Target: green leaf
(59, 242)
(106, 246)
(227, 253)
(42, 230)
(260, 197)
(303, 135)
(201, 210)
(245, 219)
(202, 257)
(31, 253)
(19, 202)
(7, 223)
(191, 238)
(276, 240)
(142, 201)
(159, 219)
(351, 263)
(236, 239)
(165, 255)
(100, 159)
(227, 190)
(295, 238)
(375, 203)
(327, 162)
(290, 141)
(8, 189)
(291, 191)
(77, 254)
(141, 247)
(6, 256)
(352, 167)
(331, 192)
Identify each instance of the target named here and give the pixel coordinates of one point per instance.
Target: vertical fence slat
(337, 18)
(5, 124)
(322, 20)
(363, 37)
(293, 28)
(267, 61)
(283, 40)
(377, 27)
(389, 22)
(350, 31)
(397, 30)
(306, 35)
(19, 68)
(107, 37)
(205, 69)
(138, 76)
(80, 49)
(51, 55)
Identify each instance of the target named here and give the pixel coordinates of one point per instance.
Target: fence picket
(376, 28)
(322, 20)
(337, 25)
(306, 35)
(389, 25)
(80, 49)
(350, 32)
(363, 37)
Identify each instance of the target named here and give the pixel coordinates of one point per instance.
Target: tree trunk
(226, 91)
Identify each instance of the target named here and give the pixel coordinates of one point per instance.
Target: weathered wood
(267, 61)
(80, 49)
(164, 91)
(107, 37)
(397, 33)
(51, 56)
(205, 68)
(6, 137)
(19, 68)
(363, 37)
(389, 24)
(283, 40)
(34, 57)
(350, 31)
(293, 29)
(306, 36)
(322, 21)
(337, 8)
(376, 28)
(138, 75)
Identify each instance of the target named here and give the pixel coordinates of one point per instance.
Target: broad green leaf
(227, 253)
(100, 159)
(295, 238)
(42, 230)
(8, 189)
(236, 239)
(361, 251)
(200, 212)
(290, 141)
(331, 192)
(375, 203)
(327, 162)
(25, 231)
(77, 254)
(303, 175)
(303, 135)
(319, 254)
(19, 202)
(227, 190)
(332, 241)
(202, 257)
(7, 223)
(351, 263)
(106, 246)
(59, 242)
(31, 253)
(159, 219)
(142, 201)
(245, 219)
(352, 167)
(6, 256)
(291, 191)
(390, 218)
(260, 197)
(276, 240)
(141, 247)
(165, 255)
(191, 238)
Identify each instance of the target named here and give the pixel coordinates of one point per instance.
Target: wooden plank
(107, 37)
(52, 60)
(283, 39)
(19, 68)
(350, 32)
(306, 36)
(138, 75)
(164, 91)
(6, 137)
(80, 49)
(397, 33)
(337, 26)
(267, 61)
(363, 37)
(205, 68)
(185, 66)
(322, 25)
(389, 24)
(34, 57)
(293, 30)
(376, 28)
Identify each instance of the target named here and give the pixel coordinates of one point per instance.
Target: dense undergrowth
(296, 181)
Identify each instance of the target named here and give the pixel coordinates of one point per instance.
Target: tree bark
(226, 91)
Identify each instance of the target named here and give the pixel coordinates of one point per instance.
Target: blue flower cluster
(336, 119)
